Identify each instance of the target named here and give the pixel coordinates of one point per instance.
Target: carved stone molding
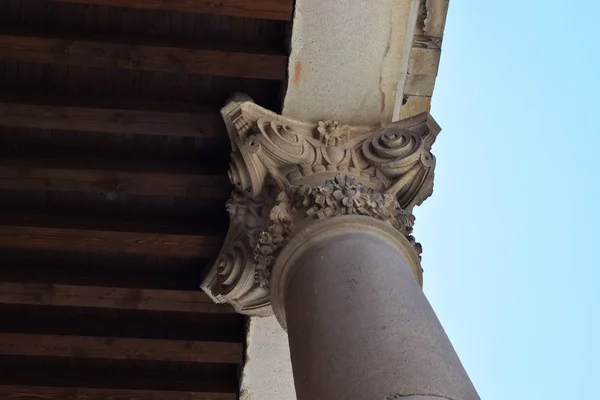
(287, 173)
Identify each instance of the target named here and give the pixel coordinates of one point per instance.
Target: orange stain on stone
(297, 72)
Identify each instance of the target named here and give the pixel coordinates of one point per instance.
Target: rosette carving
(288, 173)
(332, 133)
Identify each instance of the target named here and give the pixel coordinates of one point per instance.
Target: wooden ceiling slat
(263, 9)
(118, 374)
(24, 176)
(120, 348)
(58, 393)
(150, 244)
(112, 185)
(106, 297)
(149, 273)
(201, 125)
(209, 220)
(105, 322)
(128, 56)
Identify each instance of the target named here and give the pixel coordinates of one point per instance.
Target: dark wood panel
(263, 9)
(104, 54)
(31, 237)
(105, 322)
(126, 88)
(118, 374)
(106, 297)
(112, 186)
(150, 273)
(55, 393)
(120, 348)
(101, 270)
(201, 221)
(205, 125)
(24, 176)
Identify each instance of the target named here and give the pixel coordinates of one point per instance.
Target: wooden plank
(58, 393)
(151, 244)
(21, 344)
(128, 56)
(107, 297)
(100, 322)
(24, 176)
(199, 220)
(120, 374)
(207, 124)
(263, 9)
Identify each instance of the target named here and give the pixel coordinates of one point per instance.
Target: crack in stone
(408, 396)
(426, 15)
(422, 17)
(383, 62)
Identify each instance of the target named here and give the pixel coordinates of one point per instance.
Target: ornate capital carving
(288, 173)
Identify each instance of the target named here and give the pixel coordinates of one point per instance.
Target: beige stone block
(267, 373)
(435, 19)
(424, 61)
(346, 59)
(419, 85)
(415, 105)
(429, 42)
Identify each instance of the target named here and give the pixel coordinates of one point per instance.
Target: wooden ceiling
(113, 160)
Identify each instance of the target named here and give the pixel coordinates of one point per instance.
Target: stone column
(320, 234)
(359, 325)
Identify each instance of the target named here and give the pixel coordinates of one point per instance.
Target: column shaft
(360, 327)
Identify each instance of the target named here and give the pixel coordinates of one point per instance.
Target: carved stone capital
(288, 173)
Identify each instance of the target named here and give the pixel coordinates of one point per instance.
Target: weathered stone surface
(424, 61)
(419, 85)
(267, 373)
(435, 17)
(415, 105)
(348, 59)
(424, 58)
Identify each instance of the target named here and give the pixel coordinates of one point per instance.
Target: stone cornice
(424, 59)
(288, 173)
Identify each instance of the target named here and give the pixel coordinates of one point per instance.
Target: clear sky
(511, 234)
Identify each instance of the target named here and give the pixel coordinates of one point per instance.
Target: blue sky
(510, 236)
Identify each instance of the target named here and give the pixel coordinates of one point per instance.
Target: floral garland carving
(341, 196)
(272, 239)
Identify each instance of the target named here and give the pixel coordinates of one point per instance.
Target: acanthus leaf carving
(288, 173)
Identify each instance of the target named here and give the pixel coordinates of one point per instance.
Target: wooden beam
(205, 124)
(24, 176)
(61, 393)
(105, 54)
(21, 344)
(107, 297)
(151, 244)
(263, 9)
(47, 372)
